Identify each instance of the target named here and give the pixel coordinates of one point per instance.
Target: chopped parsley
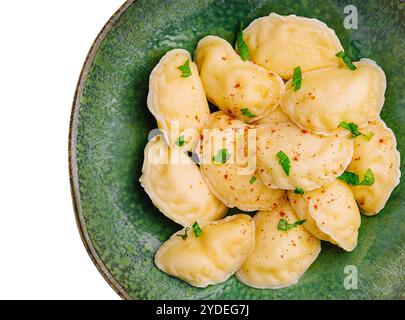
(284, 162)
(352, 127)
(241, 44)
(369, 136)
(197, 230)
(247, 113)
(297, 78)
(180, 141)
(346, 59)
(222, 156)
(350, 178)
(368, 178)
(299, 190)
(354, 130)
(184, 236)
(185, 69)
(252, 180)
(354, 180)
(283, 224)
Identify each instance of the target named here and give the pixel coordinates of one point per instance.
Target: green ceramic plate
(110, 122)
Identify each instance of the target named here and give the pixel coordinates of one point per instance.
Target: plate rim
(73, 177)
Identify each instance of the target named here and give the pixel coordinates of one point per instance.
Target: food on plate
(174, 78)
(331, 213)
(238, 87)
(177, 189)
(309, 154)
(284, 250)
(289, 157)
(208, 253)
(330, 96)
(281, 43)
(375, 152)
(230, 178)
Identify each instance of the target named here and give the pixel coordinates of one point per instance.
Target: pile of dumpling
(305, 121)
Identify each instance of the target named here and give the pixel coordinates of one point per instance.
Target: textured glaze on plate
(119, 224)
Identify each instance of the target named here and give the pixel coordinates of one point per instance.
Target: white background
(43, 45)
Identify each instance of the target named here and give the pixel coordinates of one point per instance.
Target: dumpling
(275, 116)
(331, 213)
(330, 96)
(381, 156)
(212, 257)
(178, 103)
(241, 88)
(176, 186)
(313, 161)
(280, 258)
(281, 43)
(234, 181)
